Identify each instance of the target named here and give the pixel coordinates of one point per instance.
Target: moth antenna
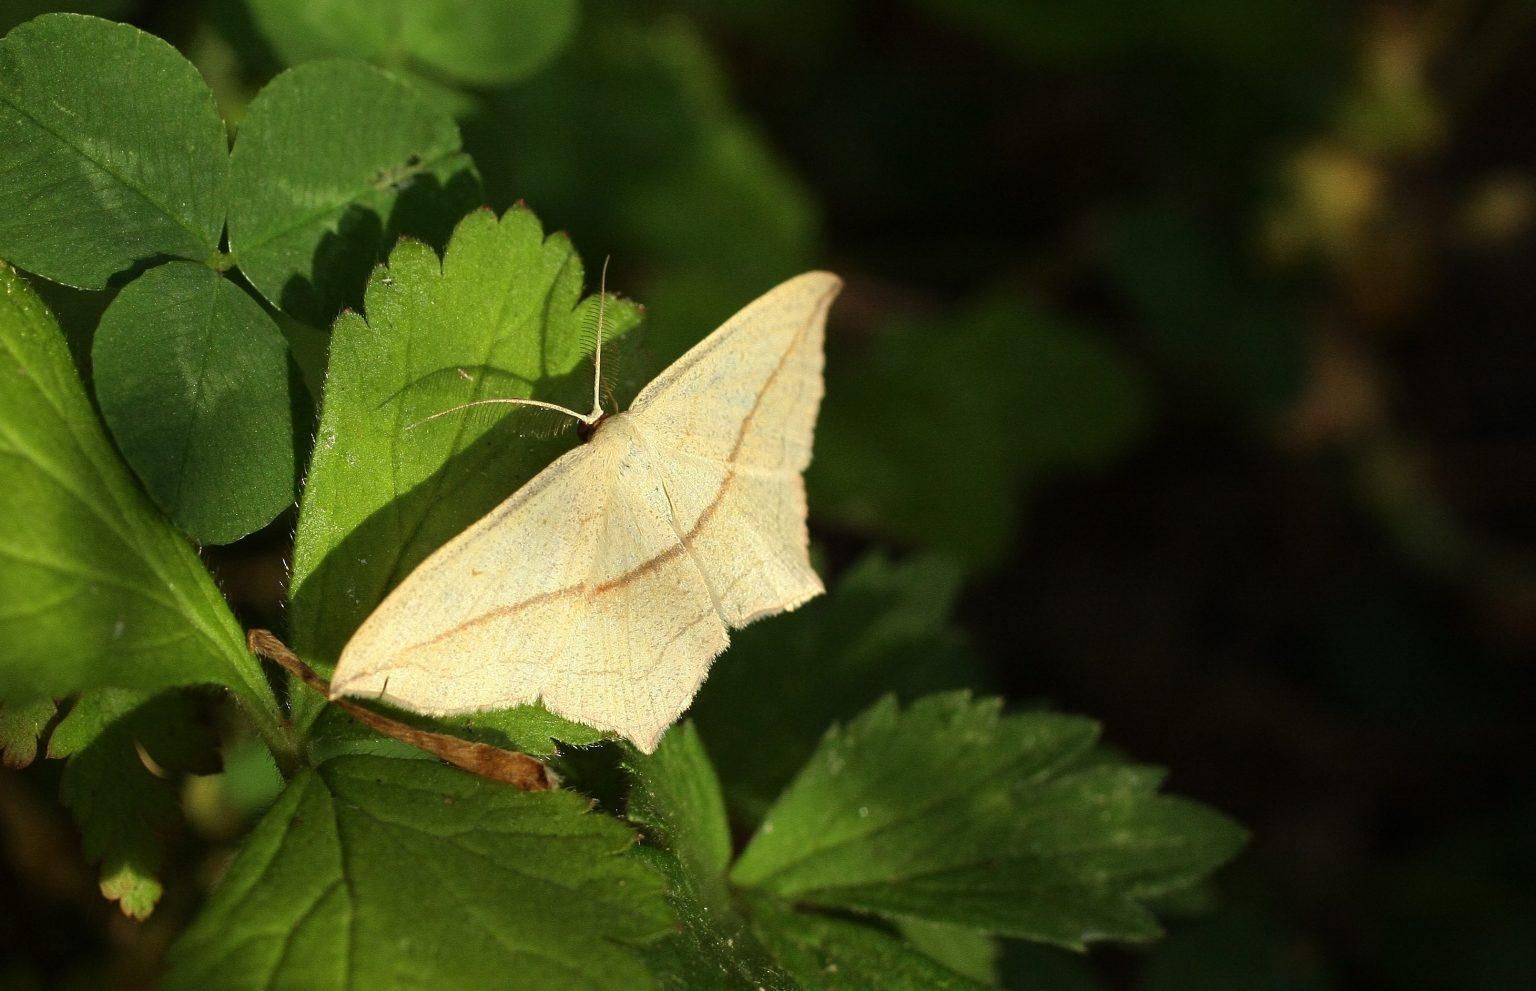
(597, 365)
(588, 419)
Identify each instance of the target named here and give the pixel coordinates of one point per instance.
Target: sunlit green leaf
(21, 724)
(501, 314)
(378, 873)
(97, 589)
(363, 159)
(112, 152)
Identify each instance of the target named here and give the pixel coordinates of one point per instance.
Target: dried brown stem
(483, 759)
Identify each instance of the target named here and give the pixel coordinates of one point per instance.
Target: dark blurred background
(1184, 378)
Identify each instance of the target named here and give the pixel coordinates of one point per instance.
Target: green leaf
(123, 807)
(363, 159)
(14, 12)
(97, 588)
(712, 948)
(21, 724)
(675, 796)
(193, 378)
(378, 873)
(659, 140)
(952, 812)
(883, 628)
(933, 433)
(530, 729)
(112, 152)
(831, 954)
(481, 43)
(505, 306)
(960, 948)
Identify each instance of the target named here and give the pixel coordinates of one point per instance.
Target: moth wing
(731, 424)
(748, 393)
(574, 592)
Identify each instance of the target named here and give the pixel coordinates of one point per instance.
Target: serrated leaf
(660, 139)
(112, 152)
(501, 314)
(97, 589)
(193, 379)
(378, 873)
(479, 43)
(831, 954)
(676, 797)
(123, 807)
(364, 159)
(1049, 395)
(952, 812)
(21, 724)
(529, 729)
(883, 628)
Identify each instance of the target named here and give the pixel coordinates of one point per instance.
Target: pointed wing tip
(830, 280)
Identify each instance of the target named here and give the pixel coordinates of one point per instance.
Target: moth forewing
(604, 588)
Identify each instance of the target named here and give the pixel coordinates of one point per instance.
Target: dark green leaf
(500, 315)
(21, 723)
(1242, 952)
(363, 159)
(481, 43)
(97, 588)
(932, 434)
(830, 954)
(960, 948)
(112, 152)
(123, 807)
(712, 948)
(658, 140)
(883, 628)
(1037, 967)
(1226, 335)
(952, 812)
(193, 378)
(675, 796)
(378, 873)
